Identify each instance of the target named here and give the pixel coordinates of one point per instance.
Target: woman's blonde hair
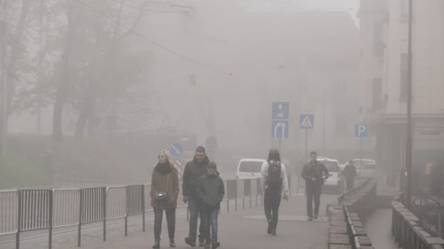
(168, 156)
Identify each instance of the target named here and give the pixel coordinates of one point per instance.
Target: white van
(334, 180)
(249, 168)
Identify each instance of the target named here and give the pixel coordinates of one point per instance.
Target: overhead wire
(156, 43)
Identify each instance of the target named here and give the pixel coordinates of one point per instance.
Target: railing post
(228, 196)
(104, 191)
(79, 236)
(143, 207)
(126, 211)
(19, 220)
(51, 202)
(235, 195)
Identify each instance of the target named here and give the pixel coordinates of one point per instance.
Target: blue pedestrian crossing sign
(176, 149)
(280, 111)
(361, 130)
(306, 121)
(279, 128)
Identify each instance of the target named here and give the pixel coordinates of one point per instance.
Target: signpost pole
(280, 143)
(360, 157)
(306, 145)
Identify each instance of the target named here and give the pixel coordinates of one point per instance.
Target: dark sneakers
(215, 245)
(190, 242)
(201, 243)
(156, 245)
(315, 217)
(269, 228)
(207, 245)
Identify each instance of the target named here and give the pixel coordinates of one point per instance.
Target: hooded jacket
(211, 190)
(165, 178)
(191, 175)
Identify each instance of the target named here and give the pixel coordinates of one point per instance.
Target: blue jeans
(195, 205)
(171, 222)
(209, 216)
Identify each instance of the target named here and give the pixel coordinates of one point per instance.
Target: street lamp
(409, 111)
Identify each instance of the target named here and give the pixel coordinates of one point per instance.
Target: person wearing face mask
(193, 171)
(164, 194)
(314, 173)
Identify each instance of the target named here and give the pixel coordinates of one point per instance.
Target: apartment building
(383, 78)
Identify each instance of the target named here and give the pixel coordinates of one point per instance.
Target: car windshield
(248, 166)
(369, 166)
(331, 166)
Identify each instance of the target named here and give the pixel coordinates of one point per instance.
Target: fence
(429, 211)
(351, 231)
(408, 233)
(353, 191)
(45, 209)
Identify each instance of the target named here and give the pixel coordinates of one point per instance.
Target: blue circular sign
(176, 149)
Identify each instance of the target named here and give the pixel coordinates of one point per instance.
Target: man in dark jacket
(312, 174)
(191, 175)
(350, 173)
(211, 193)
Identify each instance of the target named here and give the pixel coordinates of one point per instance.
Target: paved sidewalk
(241, 229)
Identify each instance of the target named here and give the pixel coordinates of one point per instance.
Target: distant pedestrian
(164, 194)
(350, 173)
(193, 171)
(314, 174)
(274, 181)
(211, 192)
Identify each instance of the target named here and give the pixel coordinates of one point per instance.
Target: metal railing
(408, 233)
(351, 231)
(38, 209)
(353, 191)
(429, 211)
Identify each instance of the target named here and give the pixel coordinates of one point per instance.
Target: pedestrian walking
(274, 181)
(350, 173)
(314, 173)
(164, 194)
(211, 192)
(193, 171)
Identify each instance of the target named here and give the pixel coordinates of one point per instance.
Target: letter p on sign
(361, 130)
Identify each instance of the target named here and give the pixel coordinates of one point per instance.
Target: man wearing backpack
(312, 173)
(274, 181)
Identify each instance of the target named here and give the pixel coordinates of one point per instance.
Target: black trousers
(171, 222)
(272, 201)
(313, 195)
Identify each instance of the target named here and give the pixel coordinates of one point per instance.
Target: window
(341, 126)
(405, 8)
(370, 166)
(250, 167)
(404, 75)
(377, 93)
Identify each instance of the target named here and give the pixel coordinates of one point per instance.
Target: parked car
(368, 170)
(334, 181)
(249, 168)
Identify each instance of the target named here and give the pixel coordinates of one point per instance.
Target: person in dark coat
(193, 171)
(164, 194)
(211, 192)
(350, 173)
(314, 173)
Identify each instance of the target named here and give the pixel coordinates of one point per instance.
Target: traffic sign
(280, 111)
(306, 121)
(176, 149)
(279, 128)
(361, 130)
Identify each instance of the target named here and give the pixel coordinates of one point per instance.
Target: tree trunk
(65, 80)
(15, 49)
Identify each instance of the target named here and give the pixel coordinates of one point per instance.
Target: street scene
(222, 124)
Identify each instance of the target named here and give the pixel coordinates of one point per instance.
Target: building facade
(384, 75)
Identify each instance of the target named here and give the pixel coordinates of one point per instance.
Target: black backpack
(274, 178)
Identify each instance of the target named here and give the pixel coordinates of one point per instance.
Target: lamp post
(409, 111)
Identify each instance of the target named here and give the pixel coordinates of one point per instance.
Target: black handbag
(162, 196)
